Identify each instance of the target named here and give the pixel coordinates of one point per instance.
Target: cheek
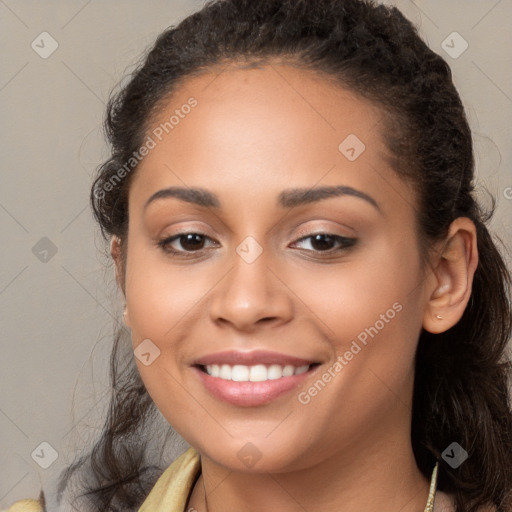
(370, 310)
(351, 296)
(160, 295)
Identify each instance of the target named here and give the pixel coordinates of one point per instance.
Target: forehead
(250, 108)
(263, 127)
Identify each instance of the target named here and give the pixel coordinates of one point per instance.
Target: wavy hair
(462, 376)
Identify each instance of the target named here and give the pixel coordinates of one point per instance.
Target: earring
(439, 317)
(126, 317)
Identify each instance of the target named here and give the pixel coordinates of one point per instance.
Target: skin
(254, 133)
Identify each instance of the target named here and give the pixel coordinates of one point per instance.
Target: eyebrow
(288, 198)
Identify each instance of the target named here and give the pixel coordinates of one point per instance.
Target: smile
(253, 378)
(256, 373)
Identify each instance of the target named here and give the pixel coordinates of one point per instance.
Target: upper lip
(254, 357)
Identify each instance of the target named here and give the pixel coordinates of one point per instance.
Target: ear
(452, 277)
(116, 253)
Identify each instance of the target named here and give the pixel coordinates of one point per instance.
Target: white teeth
(257, 373)
(301, 369)
(240, 373)
(288, 370)
(225, 372)
(274, 371)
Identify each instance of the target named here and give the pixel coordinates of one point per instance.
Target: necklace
(429, 507)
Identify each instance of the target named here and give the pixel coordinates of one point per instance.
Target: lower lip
(251, 394)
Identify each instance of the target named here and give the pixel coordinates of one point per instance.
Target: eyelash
(345, 242)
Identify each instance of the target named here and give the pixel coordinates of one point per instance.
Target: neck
(379, 475)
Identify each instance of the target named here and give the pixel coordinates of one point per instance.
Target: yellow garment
(172, 489)
(170, 493)
(26, 506)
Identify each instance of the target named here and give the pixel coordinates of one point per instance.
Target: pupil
(322, 242)
(193, 240)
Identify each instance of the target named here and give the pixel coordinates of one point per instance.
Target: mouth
(256, 373)
(250, 379)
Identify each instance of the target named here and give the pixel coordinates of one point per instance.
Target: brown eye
(183, 243)
(191, 241)
(323, 242)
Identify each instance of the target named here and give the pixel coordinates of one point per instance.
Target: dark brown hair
(461, 390)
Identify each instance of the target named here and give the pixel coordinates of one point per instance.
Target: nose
(250, 295)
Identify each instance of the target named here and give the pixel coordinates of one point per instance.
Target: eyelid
(344, 242)
(323, 230)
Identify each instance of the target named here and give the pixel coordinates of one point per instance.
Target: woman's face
(283, 332)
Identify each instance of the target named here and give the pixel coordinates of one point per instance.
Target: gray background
(57, 308)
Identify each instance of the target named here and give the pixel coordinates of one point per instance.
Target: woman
(315, 303)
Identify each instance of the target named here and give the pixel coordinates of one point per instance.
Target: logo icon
(44, 45)
(351, 147)
(455, 455)
(45, 455)
(249, 249)
(44, 250)
(146, 352)
(454, 45)
(249, 455)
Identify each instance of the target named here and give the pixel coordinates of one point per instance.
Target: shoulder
(26, 506)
